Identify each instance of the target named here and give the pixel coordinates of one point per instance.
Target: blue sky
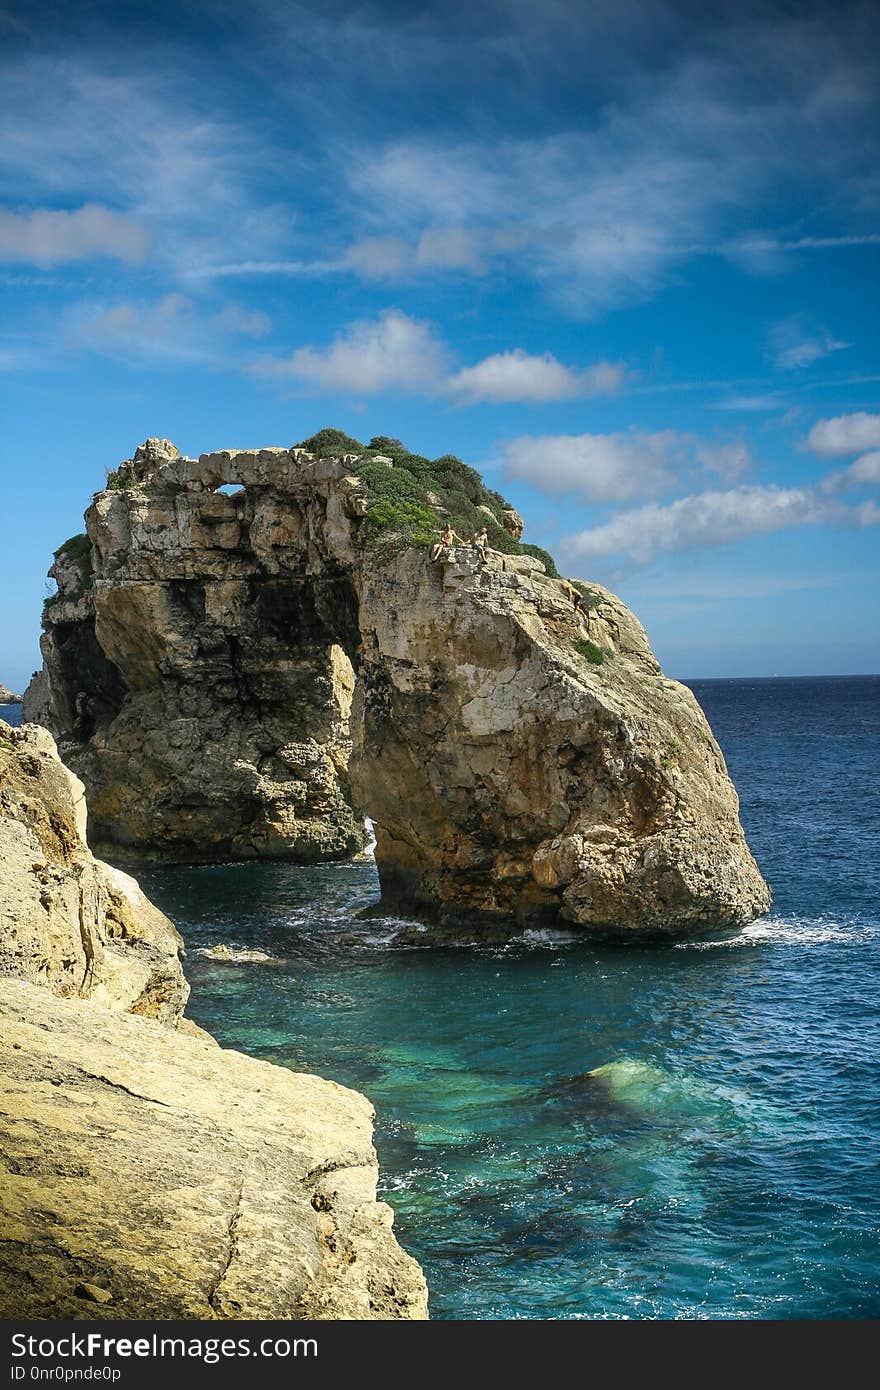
(622, 257)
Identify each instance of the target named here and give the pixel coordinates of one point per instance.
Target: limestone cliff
(212, 660)
(7, 697)
(66, 920)
(145, 1172)
(523, 759)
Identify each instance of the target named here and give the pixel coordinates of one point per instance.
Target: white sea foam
(232, 956)
(549, 936)
(369, 850)
(792, 930)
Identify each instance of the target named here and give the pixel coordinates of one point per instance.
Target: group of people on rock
(445, 547)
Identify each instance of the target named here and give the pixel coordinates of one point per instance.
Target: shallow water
(723, 1161)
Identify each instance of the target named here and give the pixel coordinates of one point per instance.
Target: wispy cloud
(164, 331)
(658, 175)
(728, 587)
(765, 401)
(630, 141)
(797, 342)
(78, 127)
(230, 269)
(235, 319)
(730, 459)
(865, 471)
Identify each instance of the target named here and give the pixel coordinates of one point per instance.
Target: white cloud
(47, 238)
(845, 434)
(516, 375)
(598, 467)
(399, 258)
(619, 467)
(796, 343)
(701, 521)
(393, 352)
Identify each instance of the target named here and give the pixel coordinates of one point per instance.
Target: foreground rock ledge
(182, 1180)
(145, 1173)
(68, 921)
(523, 763)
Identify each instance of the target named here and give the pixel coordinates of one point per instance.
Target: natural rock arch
(521, 761)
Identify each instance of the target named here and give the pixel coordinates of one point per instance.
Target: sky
(621, 257)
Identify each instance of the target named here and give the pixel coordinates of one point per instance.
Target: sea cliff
(144, 1171)
(246, 675)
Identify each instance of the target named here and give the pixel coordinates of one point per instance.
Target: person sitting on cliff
(447, 543)
(480, 543)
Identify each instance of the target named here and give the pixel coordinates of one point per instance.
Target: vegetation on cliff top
(413, 496)
(78, 550)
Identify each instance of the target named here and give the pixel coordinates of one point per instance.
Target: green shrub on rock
(589, 651)
(328, 442)
(413, 496)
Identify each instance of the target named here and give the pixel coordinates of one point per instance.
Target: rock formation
(163, 1177)
(142, 1168)
(523, 760)
(7, 697)
(68, 921)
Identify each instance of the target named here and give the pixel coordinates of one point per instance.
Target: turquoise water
(723, 1161)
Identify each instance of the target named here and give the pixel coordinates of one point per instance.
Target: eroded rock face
(198, 686)
(161, 1177)
(522, 760)
(67, 921)
(509, 774)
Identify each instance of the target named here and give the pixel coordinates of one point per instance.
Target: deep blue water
(724, 1161)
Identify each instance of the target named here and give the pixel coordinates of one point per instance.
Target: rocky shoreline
(146, 1172)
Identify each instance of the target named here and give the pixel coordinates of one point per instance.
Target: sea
(570, 1130)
